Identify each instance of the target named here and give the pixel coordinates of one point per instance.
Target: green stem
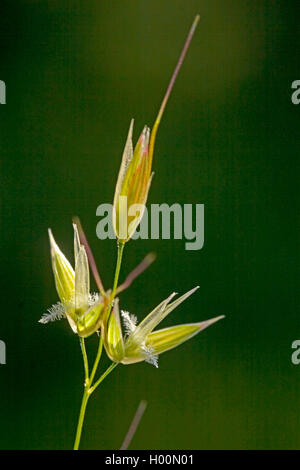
(81, 418)
(85, 360)
(89, 388)
(116, 279)
(118, 267)
(96, 363)
(108, 371)
(86, 394)
(87, 385)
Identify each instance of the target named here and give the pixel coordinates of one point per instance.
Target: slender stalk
(117, 273)
(89, 388)
(81, 418)
(86, 394)
(118, 267)
(85, 360)
(97, 360)
(105, 374)
(87, 385)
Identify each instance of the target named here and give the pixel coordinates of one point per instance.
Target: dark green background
(76, 73)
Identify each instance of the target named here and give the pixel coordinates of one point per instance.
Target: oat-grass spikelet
(81, 308)
(141, 343)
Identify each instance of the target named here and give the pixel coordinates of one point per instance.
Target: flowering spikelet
(133, 185)
(81, 308)
(141, 343)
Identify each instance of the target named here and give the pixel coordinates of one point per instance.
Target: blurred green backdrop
(76, 73)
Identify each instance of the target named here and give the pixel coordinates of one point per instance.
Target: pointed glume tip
(51, 236)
